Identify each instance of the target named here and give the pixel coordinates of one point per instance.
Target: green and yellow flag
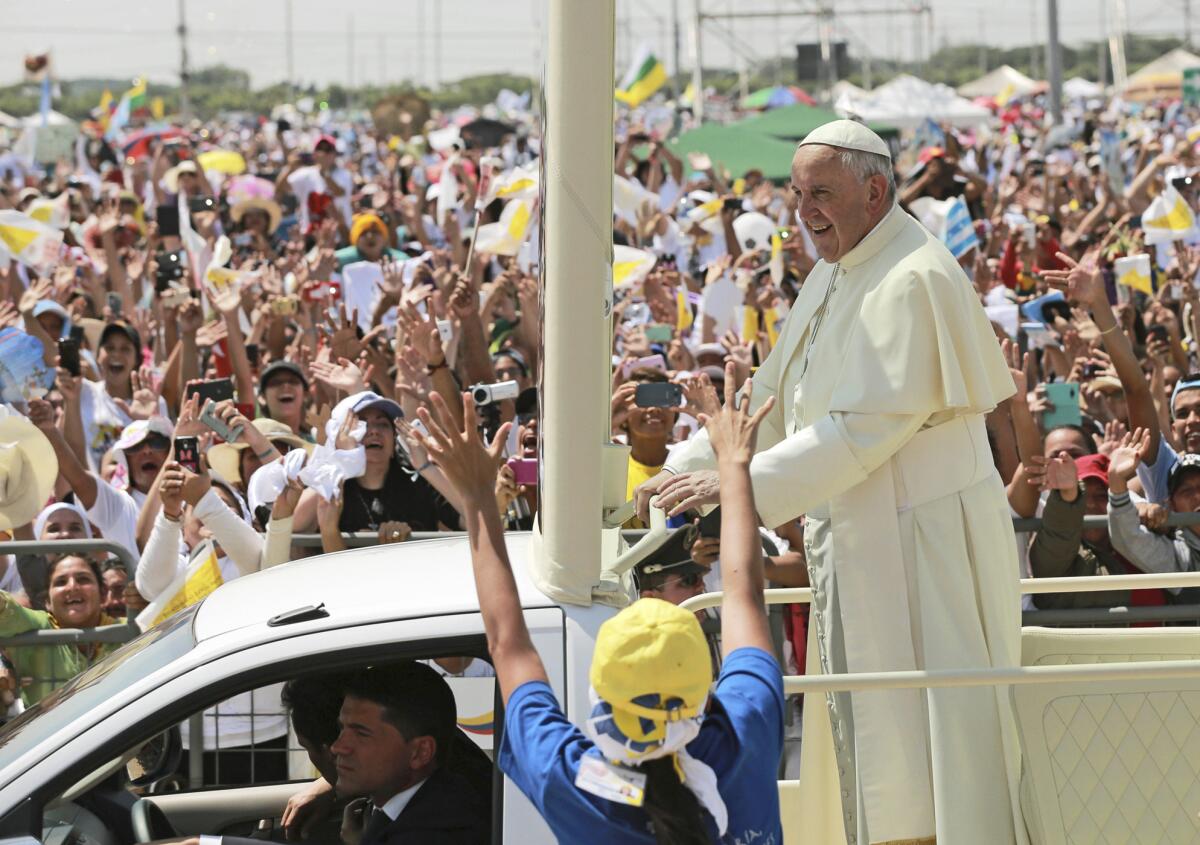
(645, 76)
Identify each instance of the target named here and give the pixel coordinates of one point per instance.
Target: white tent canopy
(994, 83)
(905, 102)
(1161, 77)
(47, 144)
(1078, 88)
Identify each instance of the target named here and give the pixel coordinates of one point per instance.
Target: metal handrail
(1017, 676)
(43, 547)
(1174, 520)
(1028, 586)
(117, 633)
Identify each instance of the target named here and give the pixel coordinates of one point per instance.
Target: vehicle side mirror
(158, 757)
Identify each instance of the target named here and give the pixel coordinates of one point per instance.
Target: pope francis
(883, 373)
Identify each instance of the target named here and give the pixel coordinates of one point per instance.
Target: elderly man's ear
(877, 191)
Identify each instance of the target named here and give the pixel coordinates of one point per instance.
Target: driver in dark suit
(398, 723)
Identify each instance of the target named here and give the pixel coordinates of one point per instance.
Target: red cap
(930, 153)
(325, 139)
(1093, 466)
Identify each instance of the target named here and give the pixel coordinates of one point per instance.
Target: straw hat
(28, 467)
(171, 177)
(269, 207)
(226, 458)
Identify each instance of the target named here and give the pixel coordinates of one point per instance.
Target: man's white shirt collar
(396, 804)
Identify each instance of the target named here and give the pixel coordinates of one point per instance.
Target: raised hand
(732, 430)
(1082, 281)
(344, 375)
(700, 394)
(468, 464)
(41, 289)
(1057, 473)
(144, 403)
(1123, 461)
(1114, 431)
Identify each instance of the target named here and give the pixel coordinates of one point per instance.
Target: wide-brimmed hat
(28, 468)
(171, 177)
(267, 206)
(226, 458)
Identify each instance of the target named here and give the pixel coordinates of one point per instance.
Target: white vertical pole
(576, 267)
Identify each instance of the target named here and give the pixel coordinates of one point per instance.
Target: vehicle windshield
(98, 683)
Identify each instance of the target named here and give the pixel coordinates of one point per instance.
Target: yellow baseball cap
(652, 665)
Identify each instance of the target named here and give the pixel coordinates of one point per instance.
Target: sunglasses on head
(155, 441)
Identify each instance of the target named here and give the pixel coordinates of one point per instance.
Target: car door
(246, 667)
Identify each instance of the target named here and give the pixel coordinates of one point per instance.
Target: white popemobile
(1115, 761)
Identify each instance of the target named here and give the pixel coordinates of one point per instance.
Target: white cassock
(879, 439)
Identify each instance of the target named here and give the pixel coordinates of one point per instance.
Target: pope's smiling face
(837, 209)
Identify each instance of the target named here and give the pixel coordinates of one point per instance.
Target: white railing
(1152, 670)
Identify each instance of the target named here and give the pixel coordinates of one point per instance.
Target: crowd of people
(200, 364)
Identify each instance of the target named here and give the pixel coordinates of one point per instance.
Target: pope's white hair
(864, 165)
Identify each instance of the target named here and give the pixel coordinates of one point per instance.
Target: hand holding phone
(211, 390)
(208, 416)
(525, 470)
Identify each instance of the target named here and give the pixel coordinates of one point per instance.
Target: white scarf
(698, 776)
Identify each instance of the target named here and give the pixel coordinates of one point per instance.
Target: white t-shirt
(308, 180)
(115, 513)
(103, 420)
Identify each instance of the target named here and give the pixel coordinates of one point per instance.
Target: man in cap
(883, 372)
(669, 572)
(322, 188)
(1150, 551)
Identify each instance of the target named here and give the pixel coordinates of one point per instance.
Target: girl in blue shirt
(665, 757)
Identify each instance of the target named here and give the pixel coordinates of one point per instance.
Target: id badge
(610, 781)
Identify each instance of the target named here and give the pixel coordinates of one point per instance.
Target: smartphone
(167, 217)
(306, 159)
(199, 204)
(211, 390)
(732, 204)
(113, 301)
(658, 394)
(710, 524)
(1157, 333)
(654, 362)
(1064, 396)
(525, 470)
(659, 334)
(209, 417)
(252, 353)
(68, 355)
(187, 453)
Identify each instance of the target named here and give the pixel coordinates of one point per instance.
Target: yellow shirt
(635, 475)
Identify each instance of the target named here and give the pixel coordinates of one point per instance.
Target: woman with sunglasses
(663, 758)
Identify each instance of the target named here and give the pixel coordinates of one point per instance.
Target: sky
(395, 40)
